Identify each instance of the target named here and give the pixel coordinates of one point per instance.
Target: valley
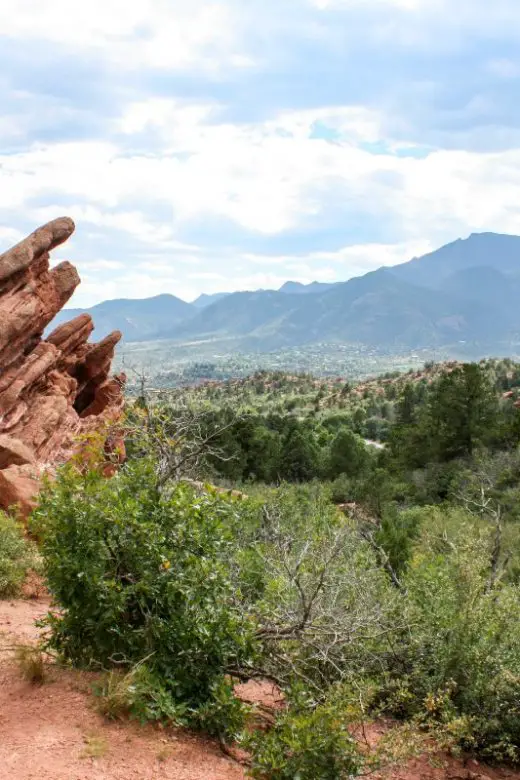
(459, 302)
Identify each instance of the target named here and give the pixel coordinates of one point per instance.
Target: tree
(462, 413)
(406, 406)
(300, 454)
(348, 455)
(263, 454)
(345, 390)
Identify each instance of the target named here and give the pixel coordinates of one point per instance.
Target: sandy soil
(52, 731)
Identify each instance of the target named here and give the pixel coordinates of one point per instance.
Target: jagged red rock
(51, 390)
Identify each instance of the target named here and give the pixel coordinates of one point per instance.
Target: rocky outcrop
(51, 390)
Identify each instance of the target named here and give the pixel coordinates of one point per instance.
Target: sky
(210, 146)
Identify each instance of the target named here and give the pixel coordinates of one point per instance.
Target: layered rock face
(51, 390)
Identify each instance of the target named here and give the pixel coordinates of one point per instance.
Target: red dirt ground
(52, 732)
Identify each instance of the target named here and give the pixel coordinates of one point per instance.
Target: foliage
(306, 743)
(461, 412)
(459, 665)
(16, 556)
(348, 455)
(341, 490)
(406, 597)
(458, 413)
(325, 600)
(396, 534)
(223, 712)
(143, 577)
(137, 694)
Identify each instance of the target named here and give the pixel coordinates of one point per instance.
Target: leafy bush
(176, 591)
(16, 556)
(137, 694)
(223, 712)
(341, 490)
(306, 744)
(144, 577)
(396, 534)
(348, 455)
(459, 664)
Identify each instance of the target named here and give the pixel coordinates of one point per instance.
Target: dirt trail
(52, 732)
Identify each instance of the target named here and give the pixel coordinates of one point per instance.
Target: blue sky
(209, 146)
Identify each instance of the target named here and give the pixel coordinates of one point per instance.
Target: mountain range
(465, 291)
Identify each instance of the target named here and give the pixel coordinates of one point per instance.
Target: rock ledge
(52, 390)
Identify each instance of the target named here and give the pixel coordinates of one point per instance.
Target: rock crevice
(51, 389)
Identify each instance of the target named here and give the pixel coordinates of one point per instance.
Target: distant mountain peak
(298, 288)
(466, 290)
(291, 287)
(498, 251)
(206, 299)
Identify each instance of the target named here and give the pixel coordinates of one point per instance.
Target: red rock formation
(52, 390)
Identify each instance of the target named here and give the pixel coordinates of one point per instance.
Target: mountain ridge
(466, 290)
(136, 318)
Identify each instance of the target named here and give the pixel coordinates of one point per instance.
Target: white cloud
(131, 284)
(260, 176)
(344, 262)
(132, 33)
(101, 264)
(173, 184)
(178, 121)
(210, 275)
(8, 237)
(269, 181)
(438, 26)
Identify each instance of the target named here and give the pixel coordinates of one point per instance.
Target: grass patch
(31, 664)
(96, 746)
(164, 754)
(115, 695)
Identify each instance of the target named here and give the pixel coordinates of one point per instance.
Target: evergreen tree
(300, 455)
(462, 413)
(347, 455)
(406, 406)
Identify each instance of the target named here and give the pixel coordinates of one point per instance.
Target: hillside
(137, 319)
(375, 309)
(78, 742)
(356, 543)
(466, 291)
(492, 250)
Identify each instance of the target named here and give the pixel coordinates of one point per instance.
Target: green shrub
(137, 694)
(140, 575)
(327, 607)
(341, 490)
(16, 556)
(396, 534)
(223, 713)
(459, 661)
(348, 455)
(176, 590)
(306, 744)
